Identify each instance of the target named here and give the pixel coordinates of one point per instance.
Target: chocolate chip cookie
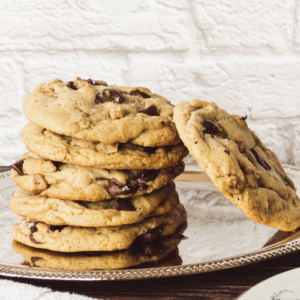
(58, 180)
(50, 145)
(115, 212)
(76, 239)
(242, 168)
(34, 257)
(93, 111)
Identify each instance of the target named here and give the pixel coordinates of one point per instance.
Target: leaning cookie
(76, 239)
(58, 180)
(116, 212)
(166, 248)
(91, 110)
(242, 168)
(50, 145)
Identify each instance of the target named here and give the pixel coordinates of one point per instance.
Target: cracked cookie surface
(58, 180)
(76, 239)
(116, 212)
(91, 110)
(242, 168)
(70, 150)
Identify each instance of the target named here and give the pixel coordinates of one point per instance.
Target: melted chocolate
(139, 94)
(33, 229)
(18, 167)
(33, 239)
(58, 228)
(150, 111)
(35, 258)
(116, 188)
(93, 82)
(147, 175)
(122, 205)
(244, 117)
(151, 235)
(98, 99)
(148, 249)
(71, 85)
(260, 160)
(179, 168)
(284, 180)
(226, 151)
(210, 126)
(115, 95)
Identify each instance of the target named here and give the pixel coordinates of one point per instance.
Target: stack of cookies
(96, 188)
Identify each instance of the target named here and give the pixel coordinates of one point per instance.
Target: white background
(244, 55)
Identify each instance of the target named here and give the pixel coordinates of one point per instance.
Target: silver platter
(219, 235)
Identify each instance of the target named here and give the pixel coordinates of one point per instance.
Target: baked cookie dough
(93, 111)
(59, 180)
(115, 212)
(76, 239)
(242, 168)
(50, 145)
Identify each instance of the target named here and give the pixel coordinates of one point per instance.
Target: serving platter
(219, 235)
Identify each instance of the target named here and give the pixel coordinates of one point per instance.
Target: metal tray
(219, 235)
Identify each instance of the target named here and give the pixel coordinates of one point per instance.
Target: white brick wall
(243, 55)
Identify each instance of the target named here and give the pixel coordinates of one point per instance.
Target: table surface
(221, 285)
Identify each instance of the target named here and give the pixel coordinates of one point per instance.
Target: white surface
(244, 57)
(284, 286)
(10, 290)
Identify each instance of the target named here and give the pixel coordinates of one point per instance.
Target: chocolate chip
(226, 151)
(260, 160)
(98, 99)
(57, 228)
(25, 263)
(71, 85)
(244, 117)
(33, 227)
(150, 111)
(114, 94)
(146, 175)
(33, 239)
(93, 82)
(209, 126)
(148, 249)
(142, 187)
(284, 180)
(139, 94)
(100, 178)
(123, 205)
(18, 167)
(35, 258)
(151, 235)
(116, 188)
(179, 168)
